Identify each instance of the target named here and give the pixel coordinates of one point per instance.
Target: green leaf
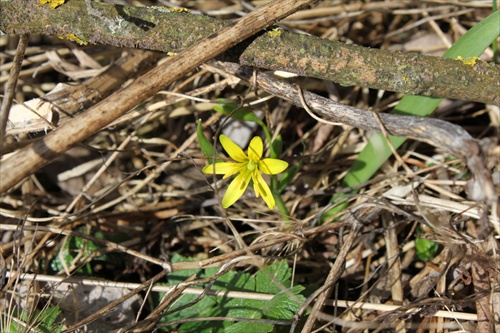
(243, 326)
(206, 307)
(376, 152)
(425, 248)
(232, 281)
(270, 279)
(245, 308)
(65, 254)
(477, 39)
(206, 147)
(79, 246)
(283, 306)
(45, 321)
(243, 114)
(48, 319)
(180, 276)
(87, 246)
(277, 146)
(287, 176)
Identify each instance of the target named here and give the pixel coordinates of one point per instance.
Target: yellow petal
(255, 149)
(233, 150)
(260, 187)
(223, 168)
(236, 189)
(272, 166)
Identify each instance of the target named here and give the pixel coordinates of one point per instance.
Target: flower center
(251, 165)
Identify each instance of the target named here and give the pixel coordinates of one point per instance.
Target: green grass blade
(477, 39)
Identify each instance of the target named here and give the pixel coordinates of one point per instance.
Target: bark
(156, 28)
(353, 65)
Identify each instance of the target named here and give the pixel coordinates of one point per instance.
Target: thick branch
(32, 157)
(436, 132)
(350, 65)
(156, 28)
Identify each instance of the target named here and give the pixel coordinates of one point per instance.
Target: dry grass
(135, 191)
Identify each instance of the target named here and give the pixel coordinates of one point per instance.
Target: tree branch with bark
(170, 30)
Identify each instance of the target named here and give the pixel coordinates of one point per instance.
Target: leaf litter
(147, 194)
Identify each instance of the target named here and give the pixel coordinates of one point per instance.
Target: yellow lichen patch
(171, 54)
(52, 3)
(471, 61)
(171, 9)
(275, 32)
(178, 10)
(73, 38)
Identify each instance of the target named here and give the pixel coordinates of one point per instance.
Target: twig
(394, 264)
(321, 294)
(333, 276)
(303, 103)
(10, 86)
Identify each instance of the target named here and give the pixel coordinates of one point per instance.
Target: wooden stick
(34, 156)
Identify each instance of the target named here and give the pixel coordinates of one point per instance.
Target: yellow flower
(247, 167)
